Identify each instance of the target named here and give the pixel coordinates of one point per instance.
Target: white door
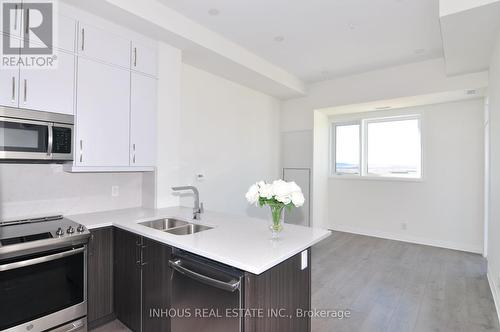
(9, 87)
(102, 113)
(143, 121)
(143, 59)
(301, 176)
(102, 45)
(50, 90)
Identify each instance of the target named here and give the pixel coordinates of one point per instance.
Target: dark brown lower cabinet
(155, 286)
(142, 282)
(127, 281)
(100, 276)
(285, 287)
(129, 278)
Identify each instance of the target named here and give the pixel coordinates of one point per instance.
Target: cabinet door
(100, 274)
(50, 90)
(9, 87)
(127, 281)
(102, 45)
(15, 12)
(143, 59)
(155, 285)
(65, 39)
(102, 115)
(143, 121)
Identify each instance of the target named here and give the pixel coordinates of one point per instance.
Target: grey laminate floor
(395, 286)
(114, 326)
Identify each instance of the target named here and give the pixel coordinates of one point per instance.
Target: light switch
(303, 261)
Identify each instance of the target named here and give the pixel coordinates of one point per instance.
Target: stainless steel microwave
(33, 136)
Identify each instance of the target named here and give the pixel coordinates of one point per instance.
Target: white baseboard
(494, 291)
(477, 249)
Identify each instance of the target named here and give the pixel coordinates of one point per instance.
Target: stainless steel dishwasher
(206, 296)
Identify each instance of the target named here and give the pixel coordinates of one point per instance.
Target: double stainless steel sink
(175, 226)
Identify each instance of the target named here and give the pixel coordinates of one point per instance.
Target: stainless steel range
(43, 275)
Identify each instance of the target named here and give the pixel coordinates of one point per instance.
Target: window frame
(333, 147)
(363, 142)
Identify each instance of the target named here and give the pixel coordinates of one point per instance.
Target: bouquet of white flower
(277, 195)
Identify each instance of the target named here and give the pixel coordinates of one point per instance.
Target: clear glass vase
(277, 220)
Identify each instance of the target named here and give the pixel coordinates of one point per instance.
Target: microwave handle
(39, 260)
(50, 143)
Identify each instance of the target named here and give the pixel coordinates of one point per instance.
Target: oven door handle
(227, 286)
(39, 260)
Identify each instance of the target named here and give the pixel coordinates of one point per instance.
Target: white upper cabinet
(65, 34)
(102, 45)
(9, 87)
(143, 59)
(102, 115)
(143, 121)
(15, 19)
(49, 90)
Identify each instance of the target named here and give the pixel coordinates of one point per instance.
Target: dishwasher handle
(230, 286)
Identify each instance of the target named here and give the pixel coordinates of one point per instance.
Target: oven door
(43, 291)
(24, 139)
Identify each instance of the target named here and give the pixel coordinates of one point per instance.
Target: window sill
(375, 178)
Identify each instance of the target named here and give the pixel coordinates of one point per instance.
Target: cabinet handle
(13, 88)
(133, 158)
(25, 90)
(81, 150)
(15, 16)
(83, 39)
(135, 56)
(27, 21)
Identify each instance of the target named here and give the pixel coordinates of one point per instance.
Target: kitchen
(93, 115)
(142, 147)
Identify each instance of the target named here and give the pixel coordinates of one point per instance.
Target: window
(347, 149)
(384, 147)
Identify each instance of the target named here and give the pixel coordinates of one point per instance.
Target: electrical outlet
(404, 226)
(115, 191)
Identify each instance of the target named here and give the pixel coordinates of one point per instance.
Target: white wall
(158, 186)
(38, 190)
(446, 208)
(402, 81)
(494, 221)
(231, 133)
(320, 208)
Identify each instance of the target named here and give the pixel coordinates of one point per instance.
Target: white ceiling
(325, 38)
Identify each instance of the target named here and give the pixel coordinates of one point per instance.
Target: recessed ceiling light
(214, 12)
(279, 39)
(419, 51)
(470, 92)
(352, 26)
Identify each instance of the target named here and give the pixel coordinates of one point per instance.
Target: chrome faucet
(198, 207)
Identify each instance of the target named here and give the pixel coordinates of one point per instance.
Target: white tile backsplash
(36, 190)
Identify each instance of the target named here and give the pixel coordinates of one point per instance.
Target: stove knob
(80, 229)
(59, 232)
(70, 230)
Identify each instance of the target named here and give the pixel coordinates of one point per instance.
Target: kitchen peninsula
(140, 264)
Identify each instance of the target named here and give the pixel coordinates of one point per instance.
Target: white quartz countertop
(242, 242)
